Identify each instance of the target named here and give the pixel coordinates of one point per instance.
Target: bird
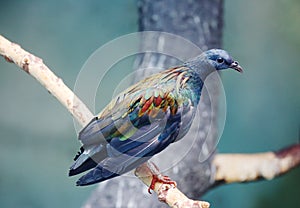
(145, 118)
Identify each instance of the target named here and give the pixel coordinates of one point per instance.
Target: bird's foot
(161, 179)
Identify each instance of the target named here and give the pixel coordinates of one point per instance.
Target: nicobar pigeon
(145, 118)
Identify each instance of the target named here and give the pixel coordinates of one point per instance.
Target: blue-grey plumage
(144, 119)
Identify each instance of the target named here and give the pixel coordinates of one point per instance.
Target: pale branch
(34, 66)
(232, 168)
(229, 167)
(167, 193)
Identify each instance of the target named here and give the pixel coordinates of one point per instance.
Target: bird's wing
(124, 155)
(131, 122)
(134, 106)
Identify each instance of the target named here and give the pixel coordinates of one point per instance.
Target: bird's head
(211, 60)
(220, 59)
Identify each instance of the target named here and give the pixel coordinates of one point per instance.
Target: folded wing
(132, 128)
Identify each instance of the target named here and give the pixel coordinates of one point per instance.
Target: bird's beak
(235, 65)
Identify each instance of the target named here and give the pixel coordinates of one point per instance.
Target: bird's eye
(220, 60)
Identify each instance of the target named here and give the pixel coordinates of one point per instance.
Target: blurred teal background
(37, 136)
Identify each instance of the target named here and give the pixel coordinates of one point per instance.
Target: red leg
(158, 177)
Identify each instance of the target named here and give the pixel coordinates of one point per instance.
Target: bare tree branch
(232, 168)
(34, 66)
(167, 193)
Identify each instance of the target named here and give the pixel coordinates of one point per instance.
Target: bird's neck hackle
(200, 65)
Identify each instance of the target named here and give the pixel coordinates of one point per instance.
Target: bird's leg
(158, 177)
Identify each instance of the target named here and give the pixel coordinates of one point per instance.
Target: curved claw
(161, 179)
